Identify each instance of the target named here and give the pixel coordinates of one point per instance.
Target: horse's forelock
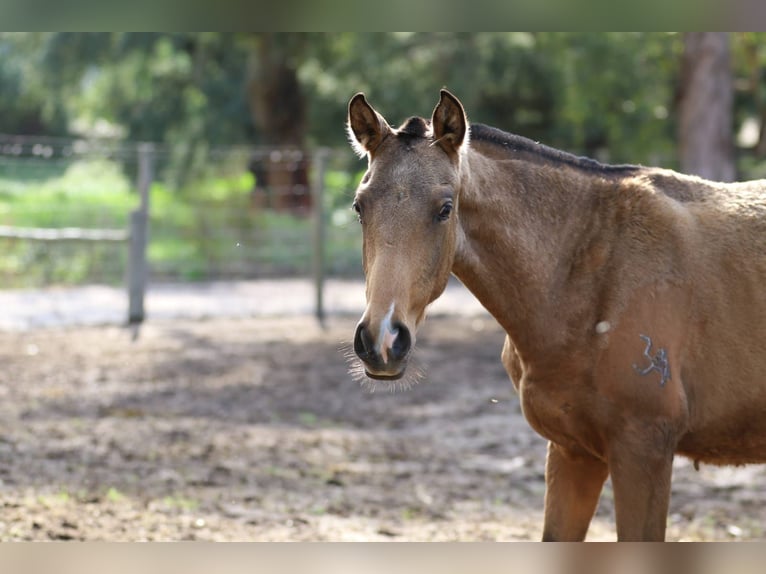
(415, 127)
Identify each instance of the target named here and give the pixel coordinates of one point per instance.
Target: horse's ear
(366, 127)
(449, 123)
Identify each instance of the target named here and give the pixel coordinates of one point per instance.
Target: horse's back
(724, 360)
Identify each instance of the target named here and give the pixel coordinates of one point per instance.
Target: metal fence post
(138, 271)
(319, 161)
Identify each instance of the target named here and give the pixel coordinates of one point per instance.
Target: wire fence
(67, 208)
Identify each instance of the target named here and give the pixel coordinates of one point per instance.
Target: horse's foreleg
(641, 469)
(573, 484)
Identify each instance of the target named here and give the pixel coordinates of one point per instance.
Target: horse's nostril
(363, 344)
(367, 350)
(402, 343)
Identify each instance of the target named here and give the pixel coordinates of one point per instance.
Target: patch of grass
(91, 194)
(205, 230)
(87, 194)
(180, 503)
(55, 499)
(410, 513)
(318, 510)
(308, 419)
(114, 495)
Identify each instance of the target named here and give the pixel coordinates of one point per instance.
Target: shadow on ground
(253, 430)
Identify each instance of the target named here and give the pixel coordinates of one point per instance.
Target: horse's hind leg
(573, 484)
(641, 469)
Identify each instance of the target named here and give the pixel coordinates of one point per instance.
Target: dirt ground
(252, 429)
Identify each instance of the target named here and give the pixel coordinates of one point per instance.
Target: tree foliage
(607, 95)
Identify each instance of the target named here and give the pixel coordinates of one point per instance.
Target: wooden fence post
(319, 161)
(138, 270)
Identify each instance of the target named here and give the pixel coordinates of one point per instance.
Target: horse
(632, 299)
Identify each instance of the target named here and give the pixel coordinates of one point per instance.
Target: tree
(278, 108)
(605, 95)
(26, 106)
(705, 130)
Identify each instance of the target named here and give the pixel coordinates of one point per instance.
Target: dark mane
(514, 143)
(416, 127)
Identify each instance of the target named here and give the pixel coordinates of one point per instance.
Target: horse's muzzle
(384, 359)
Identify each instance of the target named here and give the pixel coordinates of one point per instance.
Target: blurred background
(211, 172)
(235, 121)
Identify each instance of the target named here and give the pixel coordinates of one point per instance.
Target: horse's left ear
(449, 123)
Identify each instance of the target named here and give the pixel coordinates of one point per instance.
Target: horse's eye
(445, 211)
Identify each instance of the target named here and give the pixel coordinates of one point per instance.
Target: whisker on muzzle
(416, 372)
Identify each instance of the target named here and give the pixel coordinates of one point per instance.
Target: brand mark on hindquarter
(657, 362)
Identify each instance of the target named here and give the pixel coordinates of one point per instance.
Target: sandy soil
(252, 429)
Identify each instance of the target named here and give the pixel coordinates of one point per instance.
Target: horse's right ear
(366, 127)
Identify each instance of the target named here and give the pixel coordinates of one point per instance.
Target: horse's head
(407, 204)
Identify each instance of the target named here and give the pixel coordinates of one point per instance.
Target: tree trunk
(705, 107)
(278, 109)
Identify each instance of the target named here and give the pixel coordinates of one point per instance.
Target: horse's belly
(723, 452)
(726, 393)
(737, 439)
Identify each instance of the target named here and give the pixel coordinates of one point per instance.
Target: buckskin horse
(632, 298)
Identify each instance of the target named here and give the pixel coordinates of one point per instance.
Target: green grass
(94, 194)
(86, 194)
(114, 495)
(206, 230)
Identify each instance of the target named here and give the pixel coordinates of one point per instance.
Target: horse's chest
(563, 416)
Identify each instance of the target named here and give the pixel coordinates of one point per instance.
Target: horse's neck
(518, 226)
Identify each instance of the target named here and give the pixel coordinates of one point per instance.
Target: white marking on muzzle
(387, 335)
